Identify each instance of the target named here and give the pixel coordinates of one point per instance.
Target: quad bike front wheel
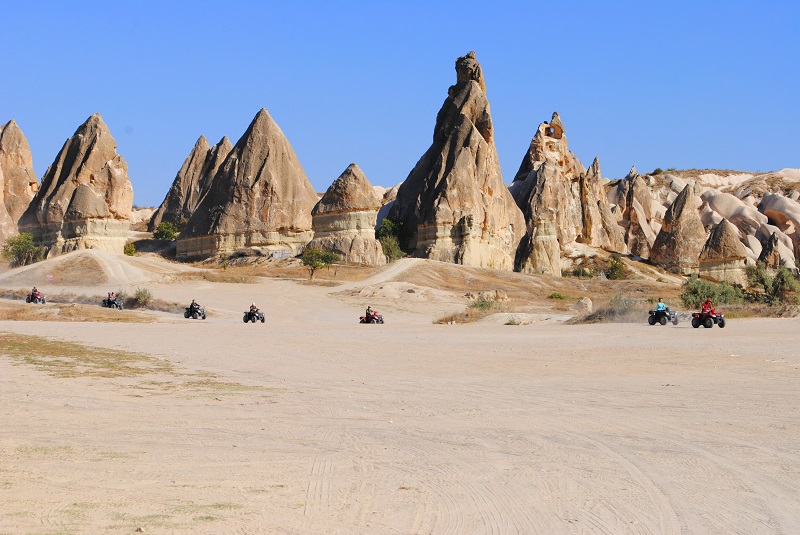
(708, 323)
(695, 323)
(721, 323)
(675, 320)
(194, 315)
(662, 320)
(651, 320)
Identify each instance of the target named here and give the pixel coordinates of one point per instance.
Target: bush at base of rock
(779, 289)
(696, 290)
(130, 249)
(165, 231)
(21, 250)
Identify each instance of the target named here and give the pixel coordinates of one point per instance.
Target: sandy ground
(312, 423)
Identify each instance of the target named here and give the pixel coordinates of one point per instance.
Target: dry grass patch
(68, 359)
(69, 313)
(477, 309)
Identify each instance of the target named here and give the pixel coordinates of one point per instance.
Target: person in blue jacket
(661, 306)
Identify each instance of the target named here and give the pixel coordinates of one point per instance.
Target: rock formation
(344, 219)
(192, 182)
(454, 201)
(678, 244)
(636, 208)
(552, 185)
(85, 198)
(723, 256)
(260, 198)
(17, 179)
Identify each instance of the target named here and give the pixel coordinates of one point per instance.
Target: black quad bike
(662, 317)
(195, 312)
(114, 302)
(253, 316)
(708, 319)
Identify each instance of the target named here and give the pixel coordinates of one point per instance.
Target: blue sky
(651, 84)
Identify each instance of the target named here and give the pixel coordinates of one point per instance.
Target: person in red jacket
(708, 306)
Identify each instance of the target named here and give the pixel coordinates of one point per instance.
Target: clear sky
(654, 84)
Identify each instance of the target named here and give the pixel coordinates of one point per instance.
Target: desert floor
(312, 423)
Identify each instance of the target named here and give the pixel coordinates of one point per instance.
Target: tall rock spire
(85, 198)
(553, 186)
(192, 182)
(454, 201)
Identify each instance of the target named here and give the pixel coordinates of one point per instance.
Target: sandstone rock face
(552, 185)
(16, 162)
(344, 219)
(584, 306)
(455, 199)
(678, 244)
(85, 198)
(545, 255)
(260, 198)
(18, 182)
(192, 182)
(723, 256)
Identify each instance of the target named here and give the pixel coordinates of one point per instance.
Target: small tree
(391, 247)
(130, 249)
(315, 258)
(165, 231)
(21, 250)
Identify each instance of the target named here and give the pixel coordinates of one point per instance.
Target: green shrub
(315, 258)
(617, 270)
(482, 303)
(777, 288)
(557, 296)
(141, 298)
(391, 247)
(696, 290)
(657, 171)
(21, 250)
(130, 249)
(581, 273)
(165, 231)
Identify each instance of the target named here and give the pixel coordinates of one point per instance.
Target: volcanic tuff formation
(259, 198)
(18, 181)
(192, 182)
(454, 201)
(678, 244)
(344, 219)
(85, 198)
(552, 185)
(723, 256)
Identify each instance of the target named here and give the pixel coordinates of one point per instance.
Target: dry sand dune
(89, 266)
(312, 423)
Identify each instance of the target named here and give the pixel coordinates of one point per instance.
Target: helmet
(252, 304)
(708, 299)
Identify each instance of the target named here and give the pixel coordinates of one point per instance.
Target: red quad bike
(372, 318)
(37, 298)
(708, 319)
